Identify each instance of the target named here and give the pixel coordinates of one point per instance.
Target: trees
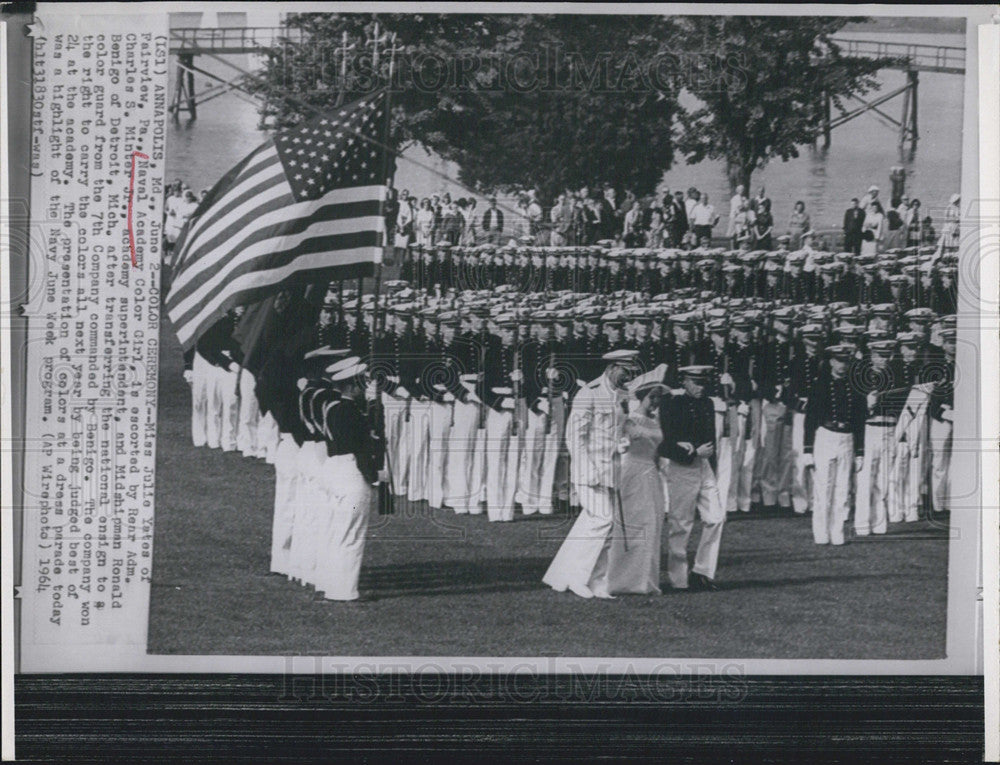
(779, 72)
(557, 101)
(543, 101)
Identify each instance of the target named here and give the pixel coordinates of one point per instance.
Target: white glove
(859, 463)
(947, 414)
(383, 476)
(301, 384)
(727, 379)
(371, 391)
(743, 408)
(623, 444)
(872, 399)
(233, 367)
(551, 374)
(778, 390)
(402, 392)
(543, 405)
(507, 403)
(448, 398)
(189, 377)
(807, 460)
(517, 375)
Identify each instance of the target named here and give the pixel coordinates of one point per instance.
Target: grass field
(448, 585)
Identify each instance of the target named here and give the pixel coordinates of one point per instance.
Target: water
(862, 152)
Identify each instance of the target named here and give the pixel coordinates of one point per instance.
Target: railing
(943, 58)
(232, 38)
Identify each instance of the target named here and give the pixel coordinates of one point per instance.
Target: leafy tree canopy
(557, 101)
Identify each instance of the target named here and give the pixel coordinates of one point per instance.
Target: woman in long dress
(634, 557)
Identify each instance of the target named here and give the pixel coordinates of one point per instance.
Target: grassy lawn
(448, 585)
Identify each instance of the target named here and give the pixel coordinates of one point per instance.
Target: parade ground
(448, 585)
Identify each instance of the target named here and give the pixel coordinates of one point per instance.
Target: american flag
(306, 205)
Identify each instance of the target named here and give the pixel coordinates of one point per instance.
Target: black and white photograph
(562, 334)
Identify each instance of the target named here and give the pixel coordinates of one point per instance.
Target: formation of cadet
(830, 382)
(476, 383)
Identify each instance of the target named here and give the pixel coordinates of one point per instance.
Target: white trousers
(745, 437)
(775, 456)
(311, 503)
(555, 459)
(725, 453)
(910, 473)
(397, 439)
(802, 477)
(501, 465)
(833, 454)
(940, 443)
(874, 494)
(341, 529)
(225, 408)
(286, 480)
(461, 457)
(582, 559)
(203, 431)
(419, 450)
(532, 493)
(249, 416)
(439, 431)
(268, 438)
(693, 489)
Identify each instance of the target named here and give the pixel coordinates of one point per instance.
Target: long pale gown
(637, 568)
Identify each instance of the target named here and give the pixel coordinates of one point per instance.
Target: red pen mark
(131, 187)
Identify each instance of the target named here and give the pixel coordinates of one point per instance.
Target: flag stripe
(264, 230)
(224, 234)
(263, 174)
(258, 285)
(350, 233)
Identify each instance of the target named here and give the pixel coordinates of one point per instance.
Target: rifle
(517, 389)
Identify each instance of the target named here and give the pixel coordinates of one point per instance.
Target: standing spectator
(492, 223)
(759, 200)
(854, 218)
(438, 210)
(895, 228)
(950, 232)
(927, 233)
(656, 230)
(609, 213)
(632, 227)
(559, 218)
(913, 224)
(742, 223)
(404, 221)
(472, 222)
(522, 226)
(798, 224)
(425, 223)
(534, 212)
(763, 226)
(737, 204)
(693, 196)
(172, 222)
(703, 218)
(872, 229)
(871, 196)
(452, 224)
(678, 219)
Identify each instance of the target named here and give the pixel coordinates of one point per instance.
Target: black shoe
(701, 582)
